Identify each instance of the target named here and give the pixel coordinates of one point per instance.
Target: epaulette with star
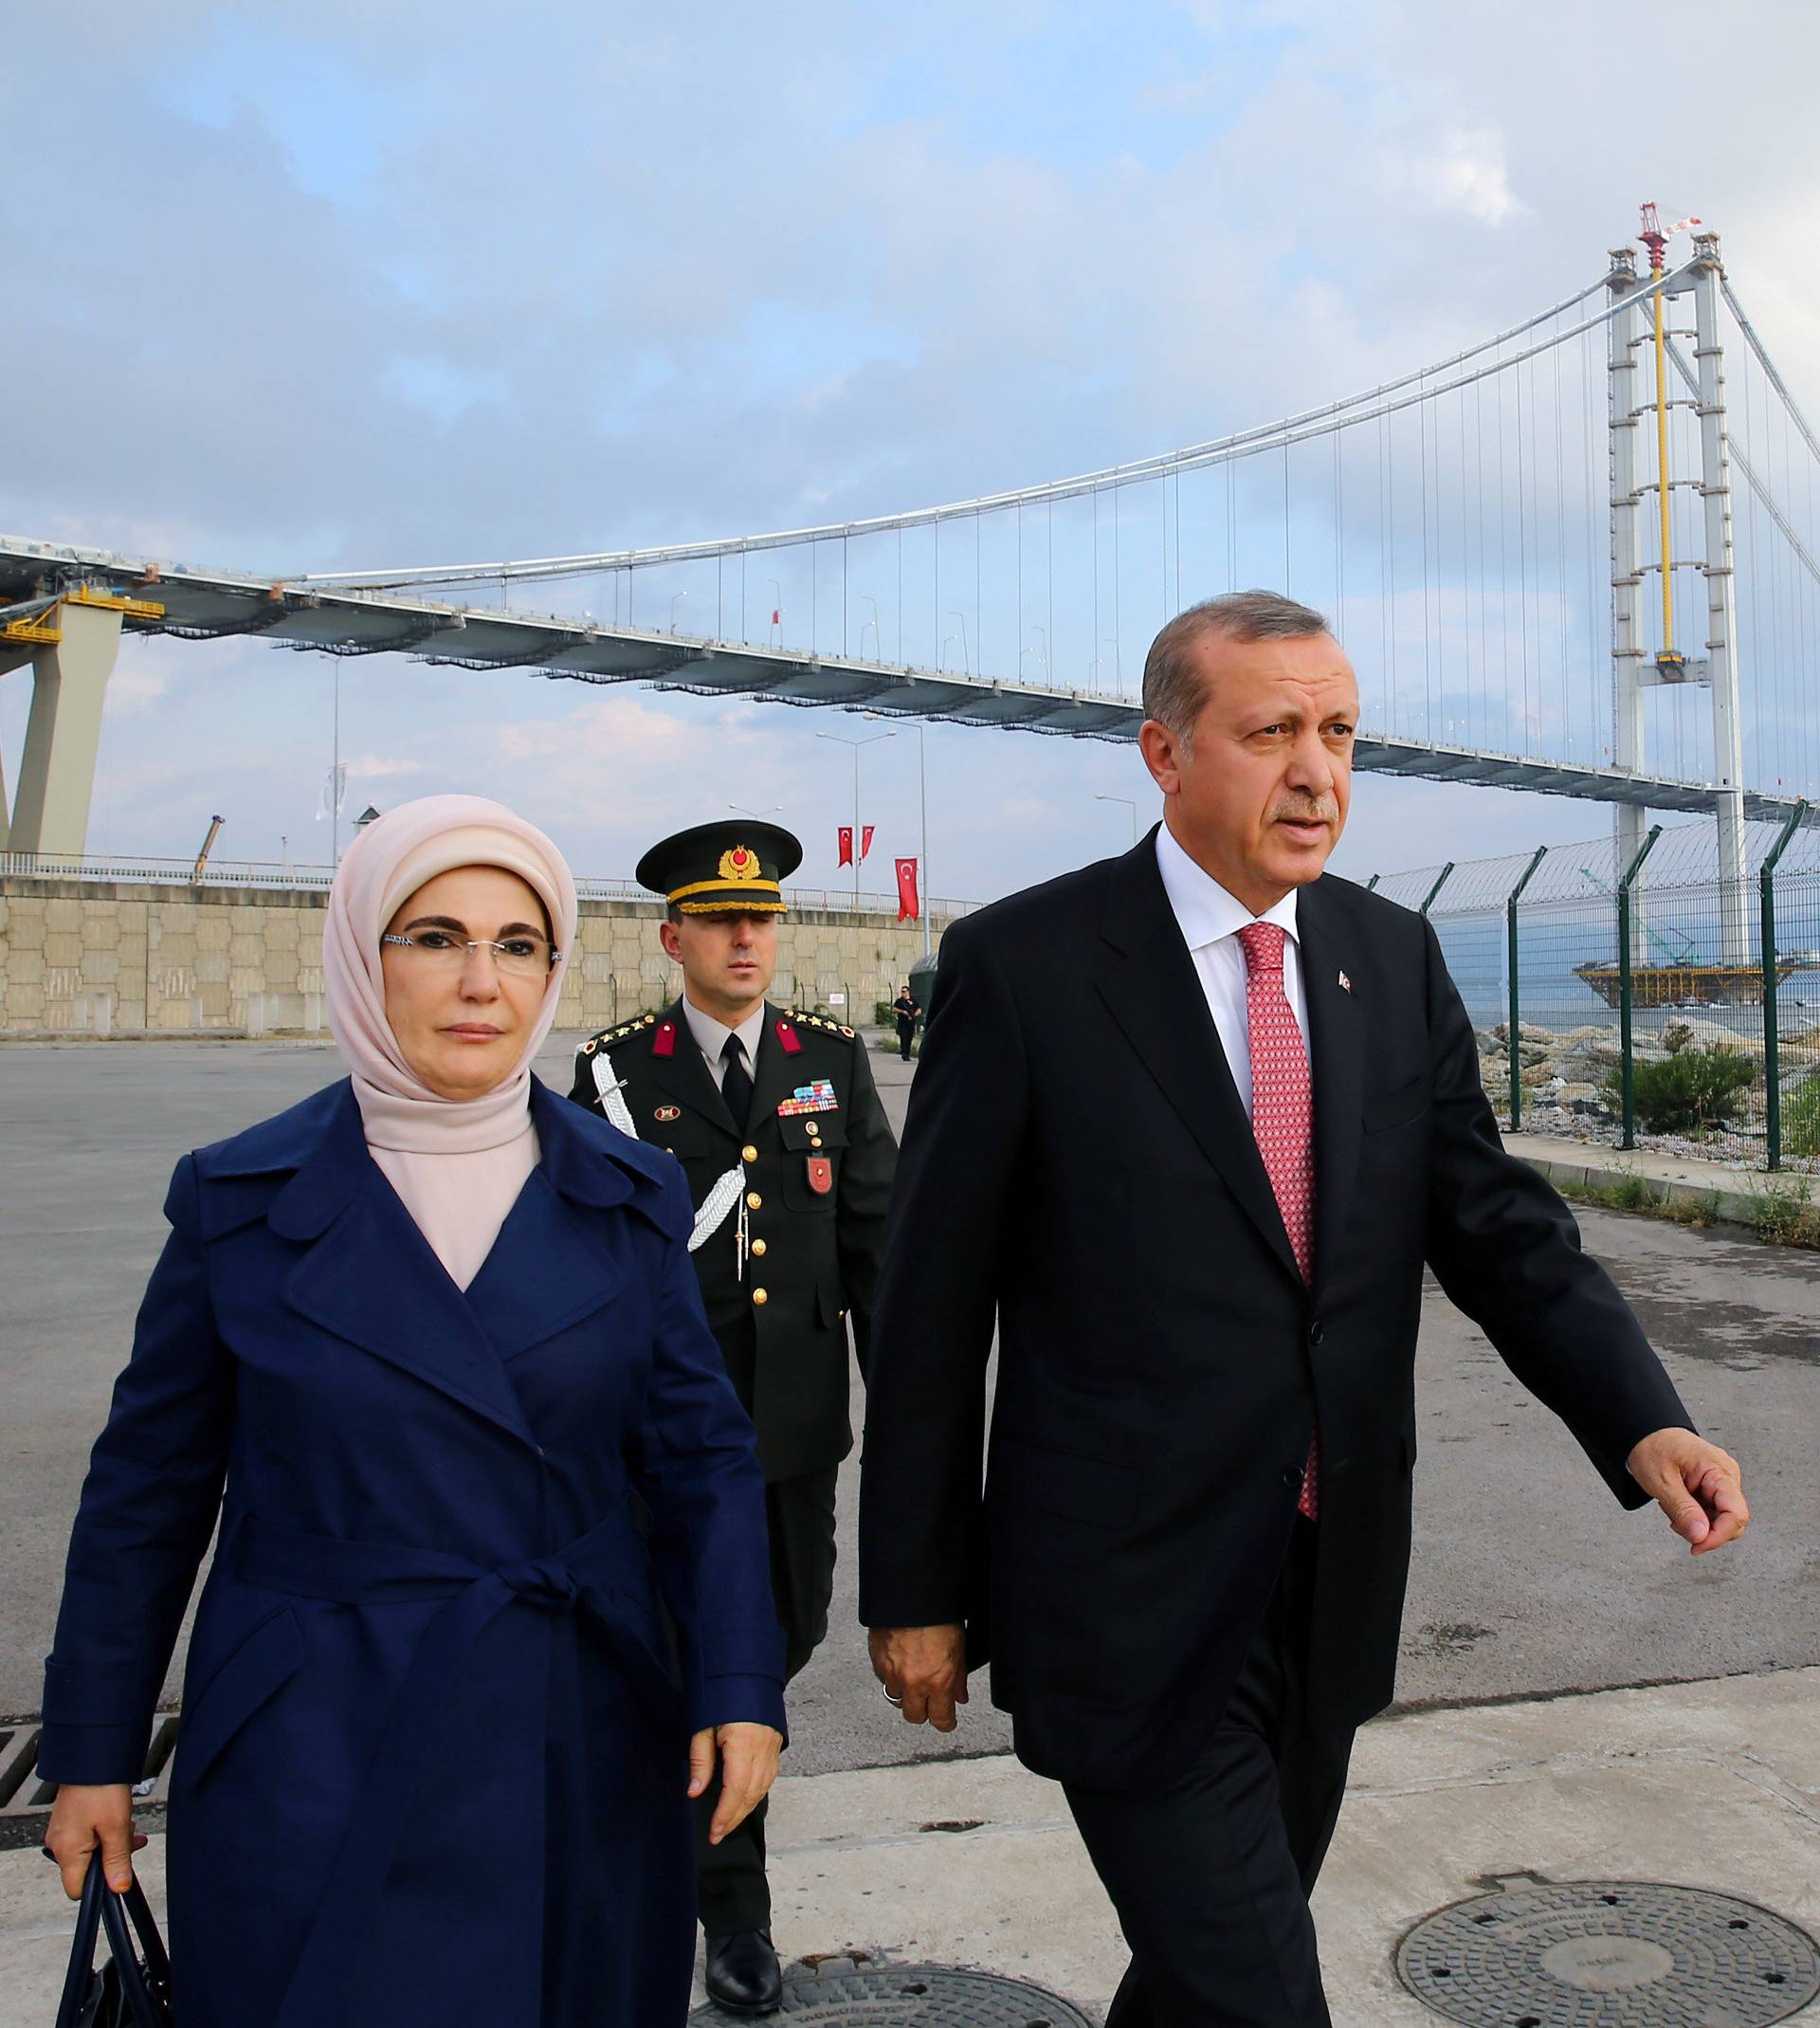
(608, 1036)
(804, 1018)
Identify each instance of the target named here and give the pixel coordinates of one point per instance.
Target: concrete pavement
(973, 1861)
(1527, 1578)
(1528, 1582)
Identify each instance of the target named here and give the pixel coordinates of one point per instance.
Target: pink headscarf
(458, 1163)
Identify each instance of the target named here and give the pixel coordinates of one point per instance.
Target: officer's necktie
(1282, 1117)
(735, 1083)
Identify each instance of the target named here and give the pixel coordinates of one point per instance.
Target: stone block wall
(102, 958)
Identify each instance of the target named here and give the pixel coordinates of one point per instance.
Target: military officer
(774, 1116)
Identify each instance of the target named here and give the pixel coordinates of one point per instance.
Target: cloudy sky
(335, 286)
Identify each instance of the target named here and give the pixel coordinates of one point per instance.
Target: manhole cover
(1610, 1954)
(912, 1996)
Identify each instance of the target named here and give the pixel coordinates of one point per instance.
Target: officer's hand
(923, 1670)
(748, 1756)
(1696, 1484)
(85, 1817)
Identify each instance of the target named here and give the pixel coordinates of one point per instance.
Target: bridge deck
(201, 605)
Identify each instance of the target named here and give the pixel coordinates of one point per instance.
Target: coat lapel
(1154, 993)
(370, 1276)
(1335, 1042)
(548, 1268)
(775, 1075)
(684, 1076)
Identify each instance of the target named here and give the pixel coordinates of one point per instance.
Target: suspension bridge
(1568, 559)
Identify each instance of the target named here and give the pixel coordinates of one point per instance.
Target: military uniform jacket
(790, 1216)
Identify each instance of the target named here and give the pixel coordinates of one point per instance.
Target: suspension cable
(1297, 428)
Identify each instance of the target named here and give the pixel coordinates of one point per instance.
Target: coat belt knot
(548, 1583)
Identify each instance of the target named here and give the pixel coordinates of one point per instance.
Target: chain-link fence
(1652, 1003)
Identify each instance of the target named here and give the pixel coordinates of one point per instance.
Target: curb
(1726, 1205)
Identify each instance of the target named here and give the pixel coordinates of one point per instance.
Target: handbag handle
(145, 1988)
(82, 1951)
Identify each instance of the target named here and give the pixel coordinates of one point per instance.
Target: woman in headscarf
(417, 1340)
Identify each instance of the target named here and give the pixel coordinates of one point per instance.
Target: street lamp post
(966, 649)
(674, 597)
(841, 740)
(923, 798)
(760, 815)
(1129, 805)
(922, 829)
(878, 640)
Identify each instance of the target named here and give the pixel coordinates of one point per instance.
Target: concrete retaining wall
(104, 958)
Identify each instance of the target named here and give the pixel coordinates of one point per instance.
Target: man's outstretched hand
(924, 1670)
(1696, 1484)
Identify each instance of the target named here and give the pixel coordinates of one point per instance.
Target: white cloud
(1467, 174)
(896, 265)
(135, 689)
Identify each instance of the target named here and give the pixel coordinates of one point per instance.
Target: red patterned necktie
(1282, 1117)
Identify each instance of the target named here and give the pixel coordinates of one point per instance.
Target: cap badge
(742, 863)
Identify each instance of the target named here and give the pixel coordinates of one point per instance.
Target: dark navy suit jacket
(441, 1683)
(1095, 1185)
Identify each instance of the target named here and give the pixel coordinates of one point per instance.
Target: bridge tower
(1626, 411)
(1635, 670)
(1722, 605)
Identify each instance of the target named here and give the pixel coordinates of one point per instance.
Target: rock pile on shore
(1565, 1074)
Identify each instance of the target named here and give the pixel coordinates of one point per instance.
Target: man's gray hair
(1173, 692)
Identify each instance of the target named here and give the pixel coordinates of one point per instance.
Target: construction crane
(202, 857)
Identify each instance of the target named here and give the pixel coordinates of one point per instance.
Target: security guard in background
(777, 1121)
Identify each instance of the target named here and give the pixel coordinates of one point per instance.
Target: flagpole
(923, 871)
(841, 740)
(335, 775)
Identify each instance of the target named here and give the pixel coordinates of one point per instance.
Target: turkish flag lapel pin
(1345, 983)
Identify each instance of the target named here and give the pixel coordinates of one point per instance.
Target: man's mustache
(1319, 813)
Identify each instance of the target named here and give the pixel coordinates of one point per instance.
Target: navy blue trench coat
(434, 1744)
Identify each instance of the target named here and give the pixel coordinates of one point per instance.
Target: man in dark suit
(1200, 1210)
(908, 1013)
(777, 1123)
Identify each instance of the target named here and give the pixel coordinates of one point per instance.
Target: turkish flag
(866, 841)
(847, 845)
(909, 905)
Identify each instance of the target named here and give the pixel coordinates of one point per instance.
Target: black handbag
(129, 1991)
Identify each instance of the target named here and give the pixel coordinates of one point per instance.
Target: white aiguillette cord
(728, 1190)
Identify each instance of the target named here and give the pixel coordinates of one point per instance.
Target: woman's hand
(748, 1767)
(86, 1816)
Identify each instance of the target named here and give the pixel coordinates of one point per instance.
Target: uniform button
(1314, 1332)
(1292, 1475)
(754, 1199)
(759, 1297)
(758, 1246)
(748, 1154)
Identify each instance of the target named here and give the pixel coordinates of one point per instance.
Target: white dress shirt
(712, 1037)
(1210, 918)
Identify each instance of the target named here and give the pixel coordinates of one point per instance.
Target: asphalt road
(1527, 1576)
